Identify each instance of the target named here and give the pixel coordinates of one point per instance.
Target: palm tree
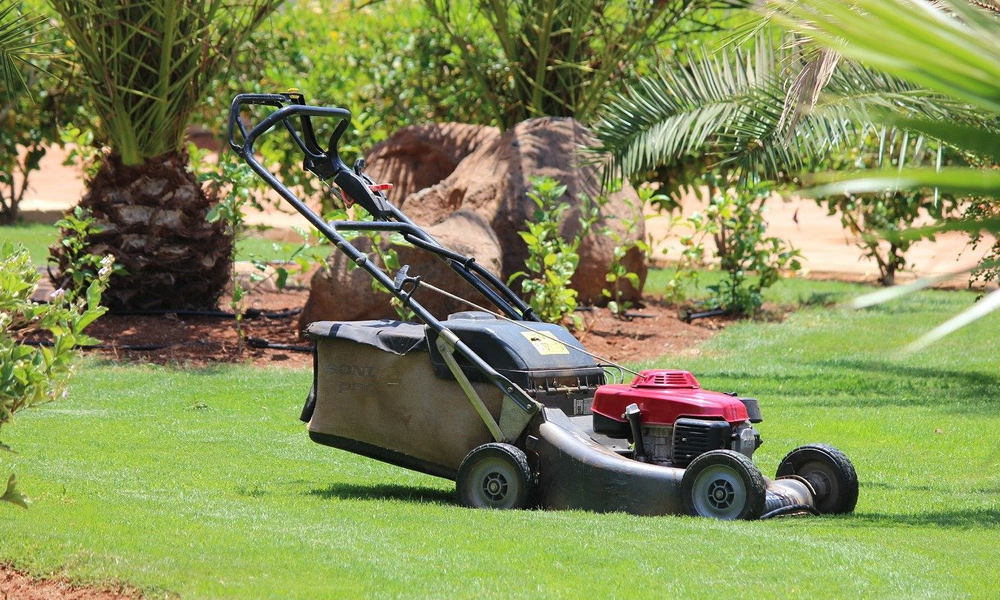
(758, 112)
(17, 41)
(933, 70)
(781, 107)
(146, 66)
(533, 58)
(949, 47)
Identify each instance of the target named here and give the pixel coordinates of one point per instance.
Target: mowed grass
(37, 238)
(201, 483)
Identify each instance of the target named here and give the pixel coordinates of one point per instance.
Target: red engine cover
(664, 396)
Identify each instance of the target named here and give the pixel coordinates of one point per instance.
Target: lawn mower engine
(671, 420)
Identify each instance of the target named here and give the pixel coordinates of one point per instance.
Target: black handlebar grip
(358, 190)
(235, 124)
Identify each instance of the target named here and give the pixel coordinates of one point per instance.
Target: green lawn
(201, 483)
(37, 238)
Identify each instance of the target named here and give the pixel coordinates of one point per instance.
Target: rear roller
(495, 475)
(830, 474)
(723, 484)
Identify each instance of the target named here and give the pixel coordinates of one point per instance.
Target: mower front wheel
(829, 472)
(495, 475)
(723, 484)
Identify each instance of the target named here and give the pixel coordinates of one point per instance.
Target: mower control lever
(403, 279)
(325, 164)
(633, 416)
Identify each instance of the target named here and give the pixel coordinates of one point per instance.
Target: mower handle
(325, 164)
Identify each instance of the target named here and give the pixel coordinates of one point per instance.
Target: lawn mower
(512, 409)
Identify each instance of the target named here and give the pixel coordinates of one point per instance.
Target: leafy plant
(948, 47)
(235, 188)
(75, 230)
(750, 259)
(552, 260)
(534, 58)
(618, 273)
(34, 375)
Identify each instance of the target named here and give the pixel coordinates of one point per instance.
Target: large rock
(420, 156)
(494, 180)
(343, 294)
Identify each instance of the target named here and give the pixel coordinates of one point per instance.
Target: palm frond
(952, 51)
(664, 117)
(18, 40)
(148, 62)
(761, 118)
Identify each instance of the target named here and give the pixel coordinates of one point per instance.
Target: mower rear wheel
(723, 484)
(495, 475)
(829, 472)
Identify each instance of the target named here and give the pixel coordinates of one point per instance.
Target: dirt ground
(272, 336)
(18, 586)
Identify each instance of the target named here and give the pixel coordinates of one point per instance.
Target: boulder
(343, 294)
(420, 156)
(493, 181)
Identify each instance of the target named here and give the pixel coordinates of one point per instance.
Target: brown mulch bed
(182, 339)
(272, 328)
(15, 585)
(194, 340)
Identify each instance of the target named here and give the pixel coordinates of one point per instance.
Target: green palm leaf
(735, 106)
(148, 62)
(949, 47)
(18, 40)
(952, 51)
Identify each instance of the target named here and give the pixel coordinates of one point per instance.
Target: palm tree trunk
(151, 217)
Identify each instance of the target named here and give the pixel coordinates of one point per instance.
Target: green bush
(386, 62)
(552, 260)
(32, 114)
(31, 375)
(877, 219)
(750, 260)
(560, 58)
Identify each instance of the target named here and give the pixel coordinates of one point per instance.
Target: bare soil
(15, 585)
(272, 334)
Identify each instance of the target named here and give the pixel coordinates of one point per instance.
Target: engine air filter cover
(665, 395)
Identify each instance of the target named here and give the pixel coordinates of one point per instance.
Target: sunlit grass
(203, 483)
(37, 238)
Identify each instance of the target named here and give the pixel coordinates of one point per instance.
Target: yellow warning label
(545, 345)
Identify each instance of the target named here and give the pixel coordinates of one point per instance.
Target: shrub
(32, 375)
(618, 274)
(750, 260)
(552, 260)
(387, 63)
(528, 59)
(878, 219)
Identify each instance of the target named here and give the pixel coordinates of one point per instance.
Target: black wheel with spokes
(723, 484)
(495, 476)
(830, 474)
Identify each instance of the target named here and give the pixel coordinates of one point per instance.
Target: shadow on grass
(864, 383)
(944, 387)
(968, 518)
(348, 491)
